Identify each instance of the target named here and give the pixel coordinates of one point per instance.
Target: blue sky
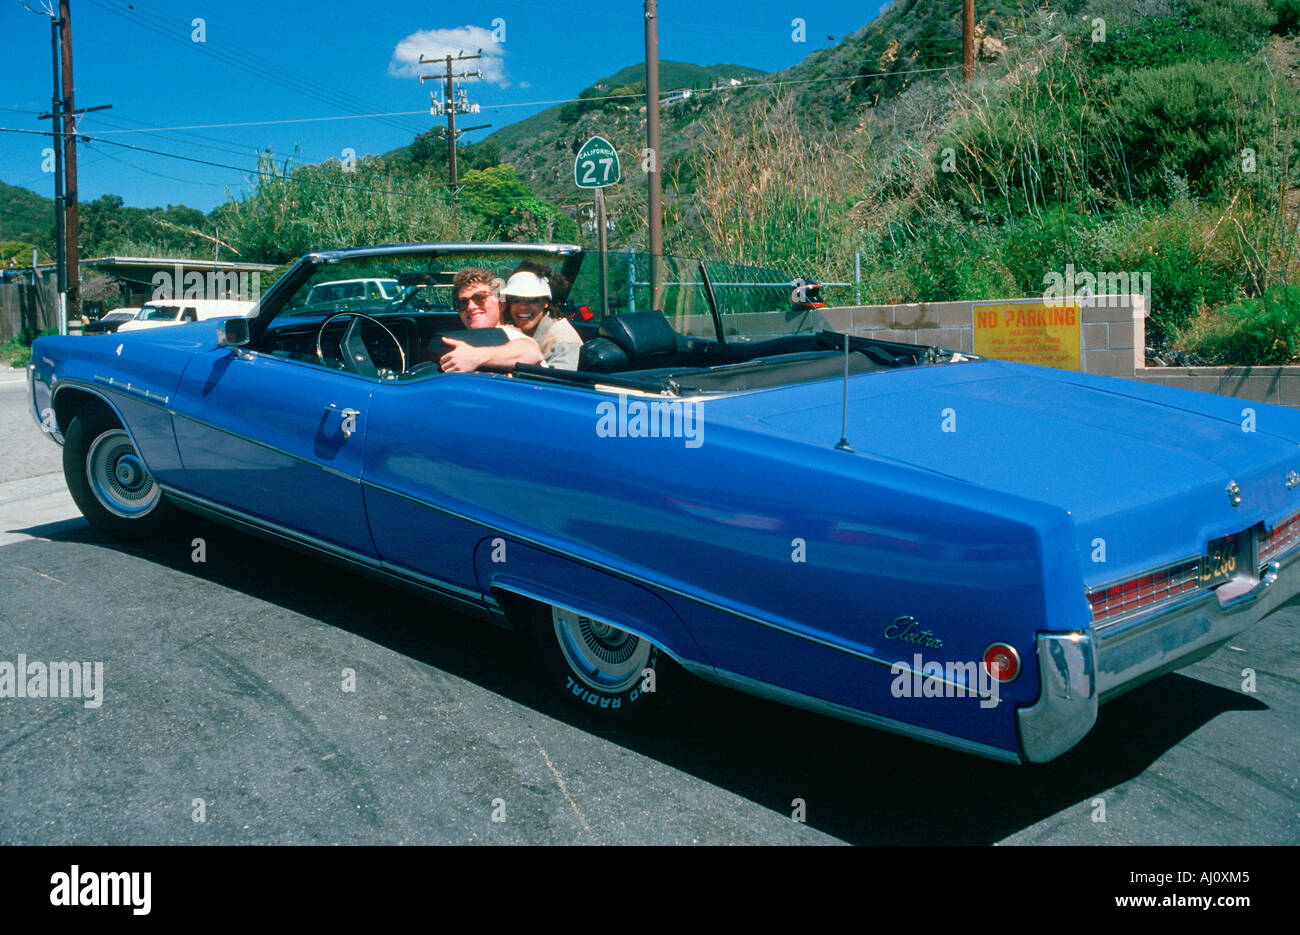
(332, 59)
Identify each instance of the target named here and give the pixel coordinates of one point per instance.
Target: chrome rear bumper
(1079, 670)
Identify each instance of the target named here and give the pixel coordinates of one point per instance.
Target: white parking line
(31, 506)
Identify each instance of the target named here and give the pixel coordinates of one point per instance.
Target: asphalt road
(223, 699)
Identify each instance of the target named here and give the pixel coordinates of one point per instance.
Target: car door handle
(347, 417)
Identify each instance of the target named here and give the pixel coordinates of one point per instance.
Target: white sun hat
(527, 286)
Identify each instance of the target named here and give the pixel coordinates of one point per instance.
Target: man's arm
(463, 358)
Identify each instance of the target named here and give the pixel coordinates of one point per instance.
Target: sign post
(596, 166)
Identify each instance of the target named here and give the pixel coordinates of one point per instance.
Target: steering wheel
(356, 359)
(405, 297)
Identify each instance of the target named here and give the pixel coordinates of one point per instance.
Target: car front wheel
(610, 673)
(108, 479)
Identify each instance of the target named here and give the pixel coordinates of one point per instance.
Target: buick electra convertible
(970, 552)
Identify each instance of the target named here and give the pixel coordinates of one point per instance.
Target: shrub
(1191, 118)
(1254, 331)
(1153, 42)
(1288, 17)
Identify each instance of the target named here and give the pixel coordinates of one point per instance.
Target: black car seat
(632, 341)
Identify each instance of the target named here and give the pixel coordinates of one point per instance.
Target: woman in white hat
(528, 304)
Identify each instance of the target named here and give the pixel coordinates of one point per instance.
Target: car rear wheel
(109, 481)
(610, 673)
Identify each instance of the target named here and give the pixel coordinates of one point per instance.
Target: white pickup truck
(162, 313)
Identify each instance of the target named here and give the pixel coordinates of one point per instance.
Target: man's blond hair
(473, 275)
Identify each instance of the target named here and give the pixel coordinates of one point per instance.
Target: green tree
(509, 209)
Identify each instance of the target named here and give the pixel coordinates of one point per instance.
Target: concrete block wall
(1112, 341)
(1107, 342)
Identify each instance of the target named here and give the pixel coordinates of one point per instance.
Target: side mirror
(234, 333)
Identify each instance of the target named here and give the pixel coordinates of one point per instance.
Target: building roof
(144, 262)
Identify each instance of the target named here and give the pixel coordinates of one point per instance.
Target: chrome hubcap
(605, 657)
(117, 478)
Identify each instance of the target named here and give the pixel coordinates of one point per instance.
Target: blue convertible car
(971, 552)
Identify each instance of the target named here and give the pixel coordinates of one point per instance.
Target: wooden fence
(26, 306)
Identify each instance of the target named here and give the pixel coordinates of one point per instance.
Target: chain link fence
(739, 289)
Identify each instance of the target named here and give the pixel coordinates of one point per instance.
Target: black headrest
(640, 334)
(601, 355)
(474, 337)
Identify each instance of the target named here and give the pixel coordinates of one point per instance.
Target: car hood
(1147, 465)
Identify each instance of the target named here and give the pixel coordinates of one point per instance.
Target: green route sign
(596, 164)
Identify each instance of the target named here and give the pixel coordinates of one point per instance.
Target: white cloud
(438, 43)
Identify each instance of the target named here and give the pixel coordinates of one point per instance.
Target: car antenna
(713, 303)
(844, 420)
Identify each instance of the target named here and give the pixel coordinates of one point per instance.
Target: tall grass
(293, 211)
(1181, 164)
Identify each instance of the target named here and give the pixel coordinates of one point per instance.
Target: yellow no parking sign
(1043, 333)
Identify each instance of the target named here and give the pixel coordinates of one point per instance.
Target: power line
(221, 165)
(161, 175)
(261, 123)
(566, 100)
(245, 61)
(242, 58)
(121, 128)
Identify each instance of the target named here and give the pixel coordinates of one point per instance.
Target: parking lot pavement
(34, 498)
(225, 698)
(35, 507)
(24, 449)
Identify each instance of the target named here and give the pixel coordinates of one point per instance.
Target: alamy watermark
(80, 887)
(933, 679)
(1103, 289)
(650, 418)
(37, 679)
(214, 284)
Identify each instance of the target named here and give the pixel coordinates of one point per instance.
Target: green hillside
(672, 76)
(26, 216)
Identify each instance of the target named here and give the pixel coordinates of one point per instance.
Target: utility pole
(70, 167)
(63, 116)
(652, 141)
(451, 105)
(56, 106)
(968, 40)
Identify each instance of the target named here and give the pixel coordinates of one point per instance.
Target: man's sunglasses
(478, 298)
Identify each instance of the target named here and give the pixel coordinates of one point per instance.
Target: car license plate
(1225, 557)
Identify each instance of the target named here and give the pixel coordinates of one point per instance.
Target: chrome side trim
(132, 390)
(365, 563)
(645, 582)
(1067, 705)
(832, 709)
(517, 590)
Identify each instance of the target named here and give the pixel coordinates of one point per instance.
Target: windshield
(754, 303)
(159, 313)
(407, 283)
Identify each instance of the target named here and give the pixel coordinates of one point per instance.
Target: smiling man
(478, 305)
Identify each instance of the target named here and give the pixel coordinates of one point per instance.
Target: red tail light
(1002, 662)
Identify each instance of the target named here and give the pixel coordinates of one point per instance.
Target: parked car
(110, 321)
(168, 312)
(340, 290)
(971, 552)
